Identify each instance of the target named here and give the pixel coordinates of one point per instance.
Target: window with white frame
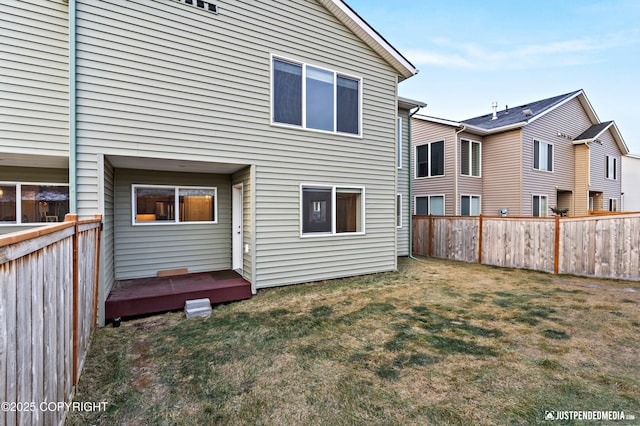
(470, 205)
(540, 205)
(430, 204)
(613, 204)
(332, 210)
(399, 142)
(399, 211)
(315, 98)
(470, 158)
(163, 204)
(542, 156)
(29, 203)
(611, 167)
(430, 159)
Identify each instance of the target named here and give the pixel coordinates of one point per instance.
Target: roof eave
(370, 36)
(406, 103)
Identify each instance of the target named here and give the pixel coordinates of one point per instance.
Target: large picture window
(430, 159)
(470, 158)
(315, 98)
(30, 203)
(332, 210)
(542, 156)
(158, 204)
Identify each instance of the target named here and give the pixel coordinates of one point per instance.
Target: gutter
(411, 183)
(73, 194)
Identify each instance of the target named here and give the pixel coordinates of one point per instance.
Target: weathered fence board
(600, 246)
(38, 330)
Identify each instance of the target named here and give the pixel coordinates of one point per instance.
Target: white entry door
(236, 227)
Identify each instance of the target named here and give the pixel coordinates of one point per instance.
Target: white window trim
(304, 98)
(471, 195)
(553, 156)
(176, 205)
(399, 142)
(471, 142)
(333, 232)
(444, 202)
(399, 206)
(444, 161)
(18, 185)
(607, 169)
(546, 213)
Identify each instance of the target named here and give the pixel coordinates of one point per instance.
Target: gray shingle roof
(593, 131)
(517, 114)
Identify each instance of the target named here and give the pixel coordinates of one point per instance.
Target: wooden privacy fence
(598, 246)
(48, 307)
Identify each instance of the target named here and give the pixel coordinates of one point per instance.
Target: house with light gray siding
(255, 136)
(519, 161)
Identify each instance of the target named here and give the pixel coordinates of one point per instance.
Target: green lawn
(436, 342)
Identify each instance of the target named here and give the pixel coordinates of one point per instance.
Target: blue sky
(471, 53)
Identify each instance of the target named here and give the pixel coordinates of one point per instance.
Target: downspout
(73, 197)
(411, 182)
(455, 171)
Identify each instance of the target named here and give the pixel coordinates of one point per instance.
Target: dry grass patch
(436, 342)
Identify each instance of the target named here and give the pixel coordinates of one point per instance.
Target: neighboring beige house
(630, 183)
(522, 161)
(209, 135)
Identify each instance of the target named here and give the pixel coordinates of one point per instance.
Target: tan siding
(581, 190)
(599, 150)
(501, 173)
(151, 86)
(35, 94)
(141, 251)
(569, 119)
(468, 185)
(425, 132)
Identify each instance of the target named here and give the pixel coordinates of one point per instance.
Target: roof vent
(527, 112)
(495, 111)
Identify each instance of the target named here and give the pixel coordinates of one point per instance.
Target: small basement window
(159, 204)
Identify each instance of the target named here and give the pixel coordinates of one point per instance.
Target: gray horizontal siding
(141, 251)
(599, 182)
(34, 80)
(151, 86)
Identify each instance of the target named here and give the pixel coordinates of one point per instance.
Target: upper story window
(29, 203)
(315, 98)
(470, 158)
(542, 156)
(161, 204)
(612, 167)
(430, 159)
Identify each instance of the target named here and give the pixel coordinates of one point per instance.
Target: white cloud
(471, 55)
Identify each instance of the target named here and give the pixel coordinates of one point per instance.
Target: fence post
(430, 246)
(97, 276)
(480, 240)
(556, 247)
(75, 316)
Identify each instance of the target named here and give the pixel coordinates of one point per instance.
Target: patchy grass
(436, 342)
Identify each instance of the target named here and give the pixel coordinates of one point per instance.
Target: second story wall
(502, 173)
(34, 100)
(611, 186)
(569, 119)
